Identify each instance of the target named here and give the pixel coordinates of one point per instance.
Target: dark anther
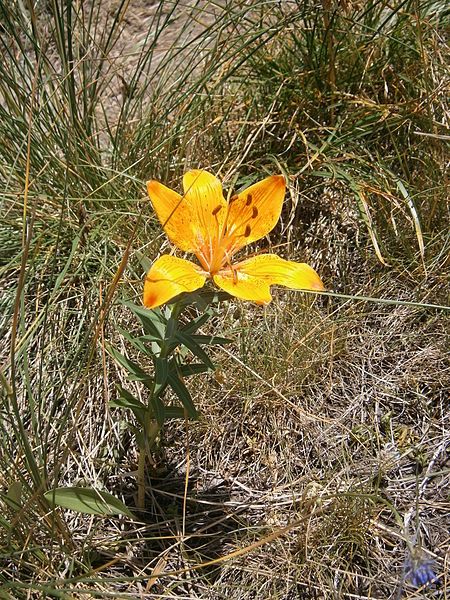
(233, 198)
(254, 212)
(216, 210)
(249, 200)
(247, 231)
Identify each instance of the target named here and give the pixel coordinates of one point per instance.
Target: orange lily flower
(204, 223)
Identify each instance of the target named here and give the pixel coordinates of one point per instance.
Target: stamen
(202, 257)
(233, 199)
(249, 200)
(216, 210)
(254, 212)
(247, 231)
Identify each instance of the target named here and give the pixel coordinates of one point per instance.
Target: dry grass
(338, 428)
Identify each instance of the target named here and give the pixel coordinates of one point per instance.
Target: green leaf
(171, 328)
(183, 394)
(127, 400)
(174, 412)
(87, 500)
(152, 320)
(202, 300)
(192, 369)
(6, 526)
(137, 374)
(194, 325)
(161, 374)
(197, 350)
(148, 337)
(210, 340)
(145, 262)
(158, 409)
(137, 342)
(11, 501)
(14, 492)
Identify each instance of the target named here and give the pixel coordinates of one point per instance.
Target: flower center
(226, 233)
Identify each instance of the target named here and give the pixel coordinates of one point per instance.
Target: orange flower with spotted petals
(202, 222)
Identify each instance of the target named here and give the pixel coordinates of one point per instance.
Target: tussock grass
(319, 463)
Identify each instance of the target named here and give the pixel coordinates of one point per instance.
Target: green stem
(144, 452)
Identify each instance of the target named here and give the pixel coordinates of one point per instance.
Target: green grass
(328, 413)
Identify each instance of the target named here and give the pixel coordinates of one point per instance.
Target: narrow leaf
(192, 369)
(14, 492)
(415, 217)
(137, 342)
(183, 394)
(87, 500)
(144, 261)
(161, 373)
(152, 320)
(171, 328)
(194, 325)
(157, 408)
(367, 218)
(174, 412)
(203, 300)
(133, 369)
(12, 503)
(197, 350)
(127, 400)
(148, 337)
(210, 340)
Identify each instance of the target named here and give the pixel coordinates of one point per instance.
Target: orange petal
(174, 214)
(255, 211)
(251, 279)
(168, 277)
(204, 196)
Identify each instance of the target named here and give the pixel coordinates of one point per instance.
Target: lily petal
(255, 211)
(173, 213)
(251, 279)
(168, 277)
(204, 196)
